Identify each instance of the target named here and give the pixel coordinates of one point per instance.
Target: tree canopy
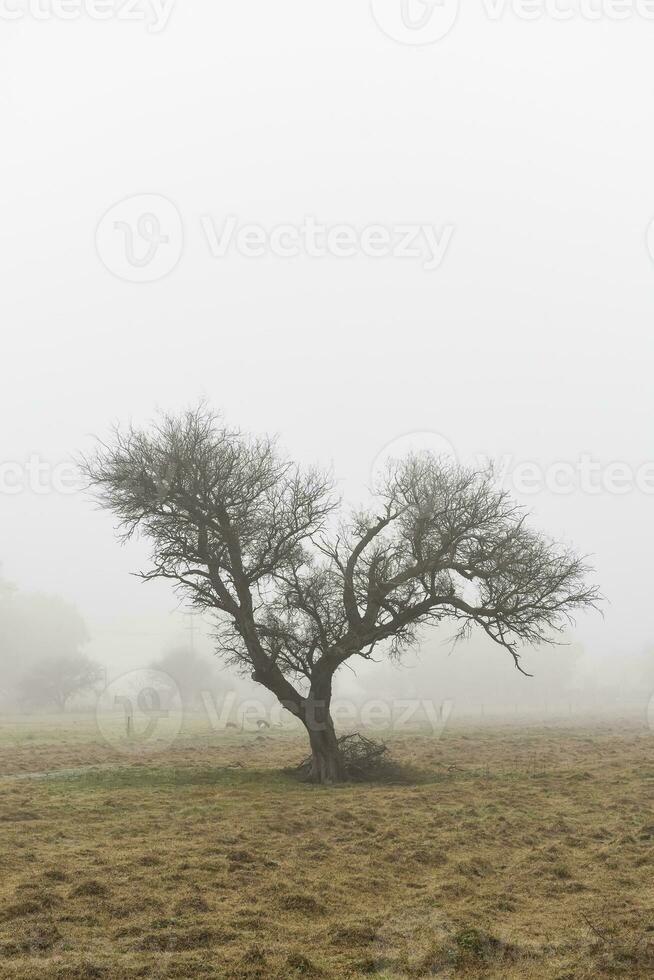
(58, 680)
(300, 585)
(34, 627)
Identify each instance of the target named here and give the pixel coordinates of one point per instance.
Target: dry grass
(531, 858)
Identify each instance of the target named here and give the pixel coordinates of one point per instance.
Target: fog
(521, 332)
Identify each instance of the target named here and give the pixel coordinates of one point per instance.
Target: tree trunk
(326, 759)
(313, 711)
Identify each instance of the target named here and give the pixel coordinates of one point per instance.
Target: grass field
(507, 852)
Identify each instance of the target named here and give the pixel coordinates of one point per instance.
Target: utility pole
(191, 627)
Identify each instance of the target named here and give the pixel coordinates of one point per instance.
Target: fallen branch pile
(363, 757)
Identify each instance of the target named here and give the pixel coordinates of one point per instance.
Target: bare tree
(190, 674)
(244, 532)
(34, 627)
(58, 680)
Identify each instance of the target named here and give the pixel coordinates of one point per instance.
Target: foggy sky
(533, 338)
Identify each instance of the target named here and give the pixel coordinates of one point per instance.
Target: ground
(507, 852)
